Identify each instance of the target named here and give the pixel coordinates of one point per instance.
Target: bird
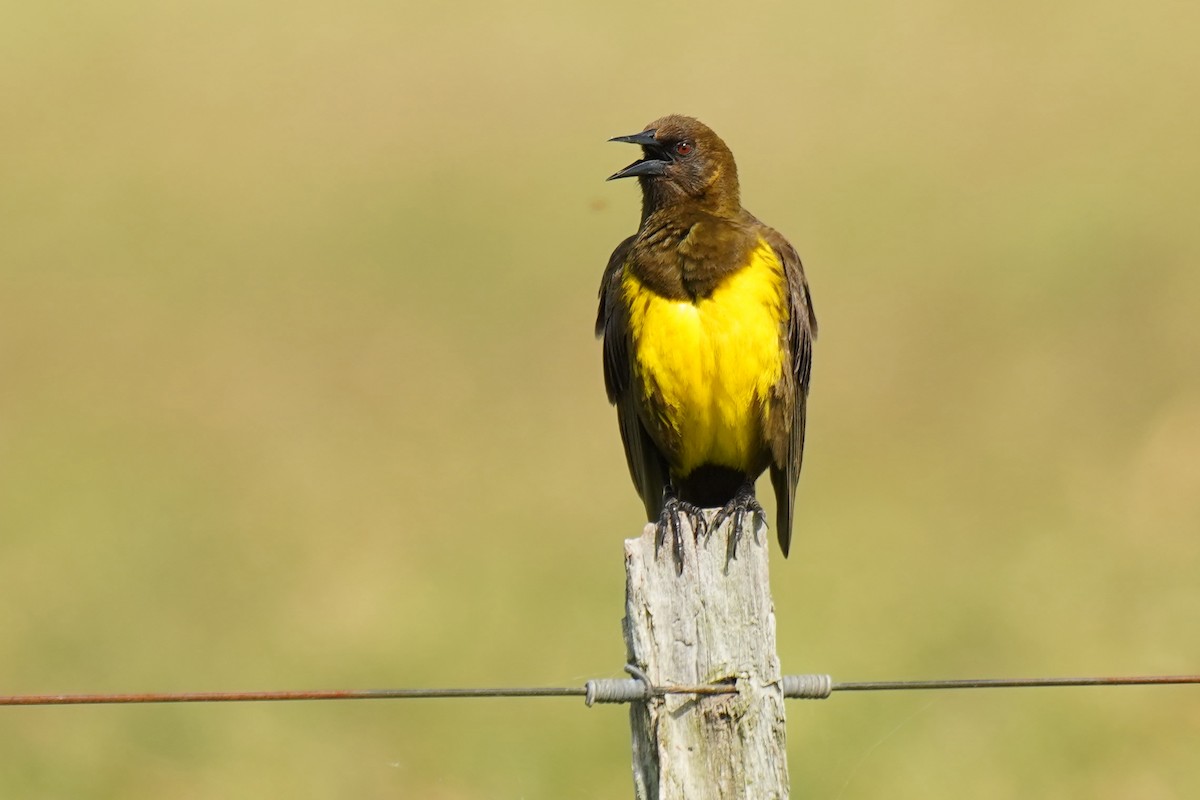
(707, 326)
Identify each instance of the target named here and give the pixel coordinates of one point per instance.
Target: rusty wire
(563, 691)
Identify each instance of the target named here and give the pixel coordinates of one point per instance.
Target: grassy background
(298, 387)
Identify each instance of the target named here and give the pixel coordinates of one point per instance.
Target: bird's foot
(670, 525)
(743, 503)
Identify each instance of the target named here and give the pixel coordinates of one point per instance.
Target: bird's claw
(743, 503)
(670, 523)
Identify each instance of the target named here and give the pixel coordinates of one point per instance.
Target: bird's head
(684, 162)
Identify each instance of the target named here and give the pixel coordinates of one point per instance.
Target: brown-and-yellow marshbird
(708, 329)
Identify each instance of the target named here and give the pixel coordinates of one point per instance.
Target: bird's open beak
(650, 165)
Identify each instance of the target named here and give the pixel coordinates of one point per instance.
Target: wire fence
(601, 690)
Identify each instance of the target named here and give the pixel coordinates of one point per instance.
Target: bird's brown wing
(646, 464)
(788, 450)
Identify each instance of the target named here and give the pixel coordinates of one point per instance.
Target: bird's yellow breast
(708, 365)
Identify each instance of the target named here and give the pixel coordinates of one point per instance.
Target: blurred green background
(298, 386)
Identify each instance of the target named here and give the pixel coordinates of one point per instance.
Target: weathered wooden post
(714, 622)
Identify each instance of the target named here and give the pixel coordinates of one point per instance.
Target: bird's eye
(683, 148)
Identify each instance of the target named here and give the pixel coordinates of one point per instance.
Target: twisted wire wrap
(807, 687)
(619, 690)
